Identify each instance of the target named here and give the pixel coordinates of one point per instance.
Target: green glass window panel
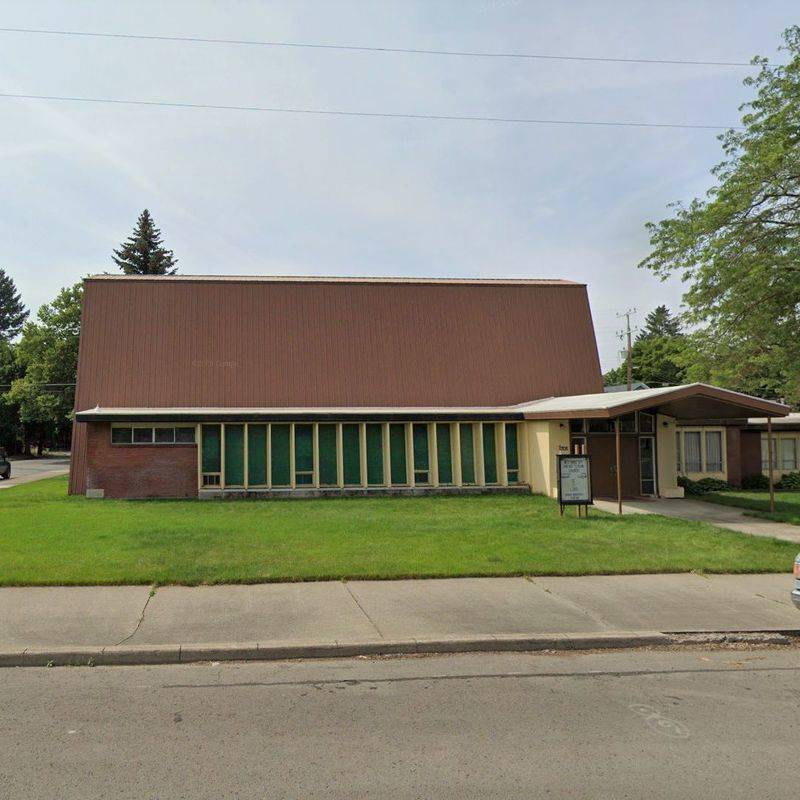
(256, 455)
(234, 455)
(304, 454)
(467, 454)
(279, 461)
(397, 454)
(327, 455)
(351, 455)
(489, 453)
(444, 455)
(421, 456)
(375, 454)
(512, 453)
(211, 448)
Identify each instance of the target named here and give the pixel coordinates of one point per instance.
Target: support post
(619, 466)
(770, 457)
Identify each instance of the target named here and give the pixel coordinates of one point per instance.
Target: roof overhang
(691, 401)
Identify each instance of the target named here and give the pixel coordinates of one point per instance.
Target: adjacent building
(275, 386)
(736, 449)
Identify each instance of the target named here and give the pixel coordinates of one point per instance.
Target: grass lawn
(47, 537)
(787, 504)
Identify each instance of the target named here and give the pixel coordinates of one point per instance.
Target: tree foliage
(12, 311)
(657, 355)
(739, 247)
(142, 253)
(47, 353)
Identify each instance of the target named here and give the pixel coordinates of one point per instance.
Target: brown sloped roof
(214, 341)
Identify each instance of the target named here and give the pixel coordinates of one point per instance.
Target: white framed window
(713, 451)
(789, 454)
(765, 453)
(692, 455)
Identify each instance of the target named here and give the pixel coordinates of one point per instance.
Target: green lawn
(47, 537)
(787, 504)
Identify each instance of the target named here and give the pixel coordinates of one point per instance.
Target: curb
(278, 651)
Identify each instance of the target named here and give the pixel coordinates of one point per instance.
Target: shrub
(789, 482)
(703, 486)
(755, 483)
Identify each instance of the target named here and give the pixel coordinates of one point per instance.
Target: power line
(362, 49)
(388, 115)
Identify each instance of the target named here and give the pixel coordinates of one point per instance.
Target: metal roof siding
(168, 343)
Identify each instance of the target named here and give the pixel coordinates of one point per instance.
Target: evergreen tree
(142, 253)
(659, 354)
(659, 323)
(12, 312)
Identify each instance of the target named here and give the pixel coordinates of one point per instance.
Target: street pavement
(26, 470)
(384, 611)
(657, 724)
(730, 517)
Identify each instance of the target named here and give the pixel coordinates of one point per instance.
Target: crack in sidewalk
(150, 596)
(361, 608)
(596, 618)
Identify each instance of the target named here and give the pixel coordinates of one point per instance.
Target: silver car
(796, 590)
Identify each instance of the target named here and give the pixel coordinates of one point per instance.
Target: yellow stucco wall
(667, 457)
(543, 440)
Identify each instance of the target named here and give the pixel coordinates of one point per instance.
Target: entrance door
(647, 464)
(602, 450)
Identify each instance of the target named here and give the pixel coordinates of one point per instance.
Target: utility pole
(627, 332)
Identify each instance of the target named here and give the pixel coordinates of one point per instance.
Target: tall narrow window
(678, 450)
(467, 453)
(397, 454)
(328, 459)
(211, 457)
(375, 454)
(351, 454)
(421, 462)
(444, 455)
(713, 451)
(256, 455)
(691, 451)
(234, 455)
(279, 456)
(789, 454)
(489, 453)
(303, 455)
(512, 455)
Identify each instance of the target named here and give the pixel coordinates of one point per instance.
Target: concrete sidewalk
(730, 517)
(132, 624)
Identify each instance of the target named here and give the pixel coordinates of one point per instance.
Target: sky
(242, 192)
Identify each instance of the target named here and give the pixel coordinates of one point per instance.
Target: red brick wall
(130, 471)
(734, 455)
(751, 453)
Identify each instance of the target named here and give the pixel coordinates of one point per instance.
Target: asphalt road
(25, 470)
(665, 724)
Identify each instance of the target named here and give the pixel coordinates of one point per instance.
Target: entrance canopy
(690, 401)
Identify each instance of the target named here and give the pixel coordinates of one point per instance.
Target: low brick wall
(139, 470)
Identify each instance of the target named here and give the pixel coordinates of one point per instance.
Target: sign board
(574, 480)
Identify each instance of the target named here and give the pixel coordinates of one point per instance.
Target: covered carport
(664, 405)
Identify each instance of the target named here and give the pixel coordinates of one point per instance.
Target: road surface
(26, 470)
(669, 724)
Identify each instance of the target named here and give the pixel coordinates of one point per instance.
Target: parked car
(796, 590)
(5, 465)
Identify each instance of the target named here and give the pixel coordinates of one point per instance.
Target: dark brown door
(604, 465)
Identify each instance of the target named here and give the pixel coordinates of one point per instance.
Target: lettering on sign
(574, 480)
